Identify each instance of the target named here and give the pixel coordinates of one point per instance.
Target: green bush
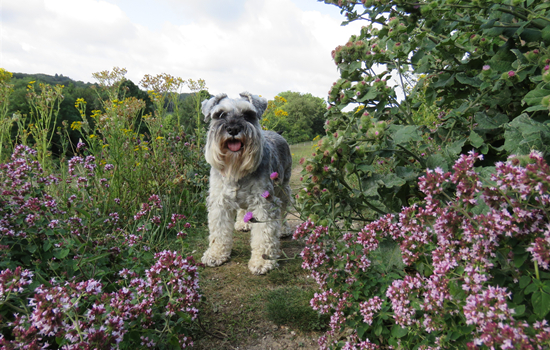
(480, 67)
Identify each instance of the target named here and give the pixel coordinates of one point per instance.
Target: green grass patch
(301, 150)
(289, 306)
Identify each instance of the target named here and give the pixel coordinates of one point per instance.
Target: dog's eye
(219, 115)
(249, 116)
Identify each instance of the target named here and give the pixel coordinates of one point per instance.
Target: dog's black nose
(233, 129)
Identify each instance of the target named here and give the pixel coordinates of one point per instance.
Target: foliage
(45, 108)
(476, 254)
(5, 121)
(133, 165)
(298, 117)
(482, 70)
(74, 276)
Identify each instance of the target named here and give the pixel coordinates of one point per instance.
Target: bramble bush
(480, 69)
(474, 272)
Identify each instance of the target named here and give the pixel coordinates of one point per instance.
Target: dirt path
(234, 312)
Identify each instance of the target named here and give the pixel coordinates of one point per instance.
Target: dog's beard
(235, 157)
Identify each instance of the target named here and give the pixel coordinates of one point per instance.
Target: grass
(301, 150)
(289, 305)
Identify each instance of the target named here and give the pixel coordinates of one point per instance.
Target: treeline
(298, 117)
(72, 90)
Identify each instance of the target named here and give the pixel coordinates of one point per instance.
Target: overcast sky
(261, 46)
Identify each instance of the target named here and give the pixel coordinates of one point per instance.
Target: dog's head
(234, 144)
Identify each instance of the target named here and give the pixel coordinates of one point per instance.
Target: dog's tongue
(234, 145)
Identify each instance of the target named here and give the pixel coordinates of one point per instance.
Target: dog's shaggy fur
(243, 156)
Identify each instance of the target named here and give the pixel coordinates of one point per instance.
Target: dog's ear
(208, 105)
(260, 103)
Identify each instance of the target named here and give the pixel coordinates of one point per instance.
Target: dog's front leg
(221, 218)
(264, 240)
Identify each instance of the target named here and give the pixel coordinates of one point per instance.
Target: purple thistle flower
(248, 216)
(511, 74)
(265, 194)
(274, 175)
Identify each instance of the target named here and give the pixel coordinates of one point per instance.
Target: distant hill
(58, 79)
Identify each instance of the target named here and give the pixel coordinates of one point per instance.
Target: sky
(261, 46)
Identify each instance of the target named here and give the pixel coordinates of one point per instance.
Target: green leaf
(378, 330)
(406, 134)
(541, 303)
(47, 245)
(546, 33)
(32, 248)
(475, 139)
(392, 180)
(398, 331)
(485, 122)
(61, 254)
(445, 80)
(361, 329)
(531, 288)
(466, 80)
(83, 212)
(536, 108)
(519, 310)
(534, 97)
(371, 95)
(519, 259)
(524, 281)
(456, 147)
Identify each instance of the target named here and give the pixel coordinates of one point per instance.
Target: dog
(249, 176)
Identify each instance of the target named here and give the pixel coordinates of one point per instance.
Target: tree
(298, 117)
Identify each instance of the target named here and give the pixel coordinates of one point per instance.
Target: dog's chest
(238, 193)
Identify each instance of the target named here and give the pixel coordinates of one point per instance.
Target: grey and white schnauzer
(250, 174)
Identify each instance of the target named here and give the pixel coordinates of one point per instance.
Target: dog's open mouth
(234, 145)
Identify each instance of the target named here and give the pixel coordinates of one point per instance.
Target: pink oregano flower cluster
(456, 234)
(86, 317)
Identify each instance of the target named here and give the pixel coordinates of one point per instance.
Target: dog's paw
(242, 226)
(260, 266)
(212, 260)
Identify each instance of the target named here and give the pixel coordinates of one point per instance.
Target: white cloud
(263, 46)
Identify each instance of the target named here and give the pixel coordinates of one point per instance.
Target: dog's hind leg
(220, 225)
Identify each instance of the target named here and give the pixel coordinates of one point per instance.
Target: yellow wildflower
(76, 125)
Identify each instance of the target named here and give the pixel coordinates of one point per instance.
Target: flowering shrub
(74, 276)
(474, 273)
(480, 69)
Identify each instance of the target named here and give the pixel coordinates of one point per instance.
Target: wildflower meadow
(84, 258)
(425, 205)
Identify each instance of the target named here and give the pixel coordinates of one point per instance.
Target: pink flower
(265, 194)
(511, 74)
(248, 216)
(274, 175)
